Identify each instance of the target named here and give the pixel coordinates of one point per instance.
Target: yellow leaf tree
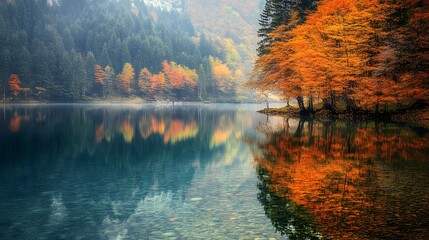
(143, 81)
(124, 79)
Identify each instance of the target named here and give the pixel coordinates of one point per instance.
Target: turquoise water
(129, 172)
(207, 172)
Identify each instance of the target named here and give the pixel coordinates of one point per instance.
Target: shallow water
(206, 172)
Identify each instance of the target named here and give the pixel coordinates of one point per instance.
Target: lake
(209, 171)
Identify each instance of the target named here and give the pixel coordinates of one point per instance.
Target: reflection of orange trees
(15, 123)
(171, 130)
(153, 126)
(222, 132)
(334, 172)
(102, 132)
(179, 131)
(220, 136)
(127, 130)
(99, 133)
(392, 146)
(334, 192)
(108, 129)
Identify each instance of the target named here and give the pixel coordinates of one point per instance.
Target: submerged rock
(195, 199)
(168, 234)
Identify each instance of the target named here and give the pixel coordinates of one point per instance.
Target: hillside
(58, 50)
(236, 19)
(232, 25)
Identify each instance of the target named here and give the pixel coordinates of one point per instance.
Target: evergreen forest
(83, 50)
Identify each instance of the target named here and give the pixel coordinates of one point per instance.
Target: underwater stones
(195, 199)
(168, 234)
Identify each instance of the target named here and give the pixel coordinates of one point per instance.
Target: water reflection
(118, 139)
(344, 180)
(172, 129)
(151, 172)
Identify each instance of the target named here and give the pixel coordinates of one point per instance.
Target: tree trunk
(310, 104)
(301, 106)
(310, 132)
(300, 128)
(350, 104)
(326, 104)
(377, 107)
(329, 104)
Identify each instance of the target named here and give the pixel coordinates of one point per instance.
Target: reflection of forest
(112, 137)
(357, 180)
(93, 158)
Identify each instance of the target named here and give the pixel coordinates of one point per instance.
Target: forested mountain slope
(61, 50)
(236, 19)
(232, 26)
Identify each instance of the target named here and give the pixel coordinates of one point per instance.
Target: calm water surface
(207, 172)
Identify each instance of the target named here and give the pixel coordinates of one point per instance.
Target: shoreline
(119, 101)
(415, 116)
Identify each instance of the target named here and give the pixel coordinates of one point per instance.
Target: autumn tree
(36, 45)
(15, 85)
(406, 52)
(350, 34)
(143, 81)
(190, 79)
(157, 85)
(176, 79)
(100, 78)
(274, 72)
(124, 79)
(222, 75)
(181, 80)
(333, 55)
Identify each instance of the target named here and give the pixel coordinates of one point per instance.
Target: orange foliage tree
(182, 80)
(100, 78)
(15, 85)
(274, 72)
(174, 81)
(99, 74)
(334, 51)
(157, 85)
(408, 50)
(339, 53)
